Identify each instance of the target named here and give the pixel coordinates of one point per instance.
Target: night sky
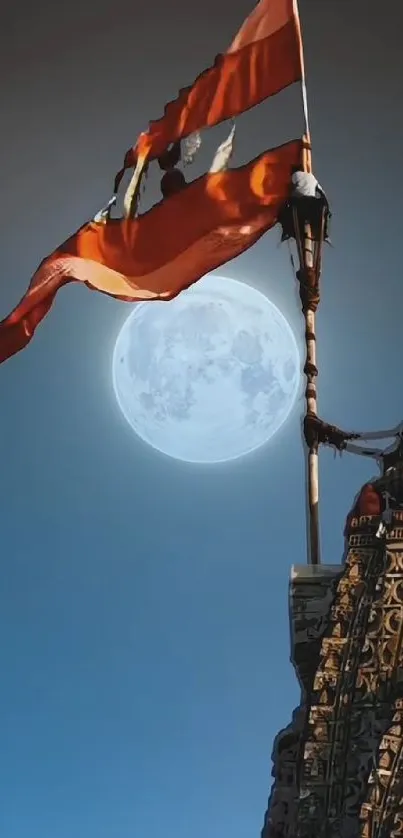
(143, 603)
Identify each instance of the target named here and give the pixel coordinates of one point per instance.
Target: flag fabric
(157, 255)
(264, 58)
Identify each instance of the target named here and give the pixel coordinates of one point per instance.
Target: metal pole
(311, 407)
(307, 269)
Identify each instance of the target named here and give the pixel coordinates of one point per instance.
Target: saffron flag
(164, 251)
(264, 58)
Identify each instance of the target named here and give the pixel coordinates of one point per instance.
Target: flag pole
(308, 279)
(304, 275)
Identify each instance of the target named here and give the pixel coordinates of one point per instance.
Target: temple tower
(338, 767)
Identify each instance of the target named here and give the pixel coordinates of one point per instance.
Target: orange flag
(264, 58)
(159, 254)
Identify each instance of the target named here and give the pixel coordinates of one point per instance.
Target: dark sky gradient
(143, 610)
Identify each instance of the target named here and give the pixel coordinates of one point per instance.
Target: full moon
(211, 375)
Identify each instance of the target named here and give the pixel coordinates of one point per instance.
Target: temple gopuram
(338, 766)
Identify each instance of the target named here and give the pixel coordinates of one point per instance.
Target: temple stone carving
(338, 766)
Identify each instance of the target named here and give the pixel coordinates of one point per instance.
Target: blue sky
(143, 602)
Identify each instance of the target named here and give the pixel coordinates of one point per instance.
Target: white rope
(302, 61)
(377, 453)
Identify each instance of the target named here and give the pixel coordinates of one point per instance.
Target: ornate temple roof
(338, 766)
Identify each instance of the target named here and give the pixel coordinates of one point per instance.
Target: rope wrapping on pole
(317, 432)
(308, 288)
